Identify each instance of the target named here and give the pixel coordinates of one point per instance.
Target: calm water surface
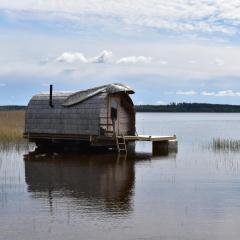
(190, 194)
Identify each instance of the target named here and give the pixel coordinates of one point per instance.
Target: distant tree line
(172, 107)
(12, 108)
(189, 107)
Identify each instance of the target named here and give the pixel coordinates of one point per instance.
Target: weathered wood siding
(82, 118)
(124, 121)
(123, 125)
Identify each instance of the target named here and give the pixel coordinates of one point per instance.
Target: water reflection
(102, 181)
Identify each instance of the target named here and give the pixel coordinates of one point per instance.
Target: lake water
(192, 193)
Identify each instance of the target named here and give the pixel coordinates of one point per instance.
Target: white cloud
(134, 59)
(219, 62)
(205, 93)
(225, 93)
(103, 57)
(187, 93)
(163, 62)
(19, 60)
(71, 57)
(178, 15)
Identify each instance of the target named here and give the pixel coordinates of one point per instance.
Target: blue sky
(174, 51)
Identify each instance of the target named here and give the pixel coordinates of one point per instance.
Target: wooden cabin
(93, 115)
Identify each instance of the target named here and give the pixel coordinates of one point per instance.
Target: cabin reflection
(103, 179)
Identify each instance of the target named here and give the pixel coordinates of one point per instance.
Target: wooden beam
(150, 138)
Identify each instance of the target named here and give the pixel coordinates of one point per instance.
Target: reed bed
(11, 129)
(226, 145)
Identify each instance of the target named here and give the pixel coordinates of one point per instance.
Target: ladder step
(122, 147)
(121, 144)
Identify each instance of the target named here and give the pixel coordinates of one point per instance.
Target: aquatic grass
(11, 130)
(226, 145)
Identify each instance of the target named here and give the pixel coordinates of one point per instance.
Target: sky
(167, 51)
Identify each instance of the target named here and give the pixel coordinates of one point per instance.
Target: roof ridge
(83, 95)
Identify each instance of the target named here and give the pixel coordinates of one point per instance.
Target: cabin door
(114, 112)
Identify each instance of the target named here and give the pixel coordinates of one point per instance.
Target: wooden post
(159, 148)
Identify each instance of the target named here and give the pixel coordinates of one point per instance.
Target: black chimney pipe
(50, 96)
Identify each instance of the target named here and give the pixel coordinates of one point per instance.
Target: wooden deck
(160, 144)
(150, 138)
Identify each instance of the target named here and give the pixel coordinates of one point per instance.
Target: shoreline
(169, 108)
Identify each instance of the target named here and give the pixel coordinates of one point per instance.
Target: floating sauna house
(85, 115)
(102, 116)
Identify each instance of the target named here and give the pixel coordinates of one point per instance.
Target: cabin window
(114, 105)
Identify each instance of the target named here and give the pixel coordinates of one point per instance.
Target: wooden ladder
(121, 144)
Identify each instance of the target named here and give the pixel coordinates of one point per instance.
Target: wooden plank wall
(82, 118)
(123, 122)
